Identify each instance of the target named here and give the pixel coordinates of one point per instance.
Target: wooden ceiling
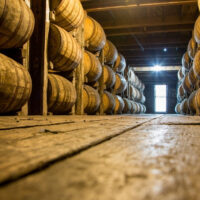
(141, 29)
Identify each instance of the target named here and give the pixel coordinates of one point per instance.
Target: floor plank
(151, 162)
(24, 150)
(178, 120)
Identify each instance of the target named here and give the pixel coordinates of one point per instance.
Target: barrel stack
(16, 28)
(65, 52)
(80, 71)
(188, 87)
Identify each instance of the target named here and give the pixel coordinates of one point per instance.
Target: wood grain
(24, 150)
(151, 162)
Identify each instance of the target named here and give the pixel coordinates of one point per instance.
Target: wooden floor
(144, 157)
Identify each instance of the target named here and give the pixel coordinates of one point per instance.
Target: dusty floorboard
(153, 161)
(23, 150)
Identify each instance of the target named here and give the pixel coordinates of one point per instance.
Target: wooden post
(39, 58)
(25, 61)
(79, 75)
(101, 83)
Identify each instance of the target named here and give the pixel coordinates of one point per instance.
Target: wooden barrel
(184, 107)
(145, 109)
(61, 94)
(15, 85)
(180, 74)
(133, 107)
(69, 14)
(141, 108)
(108, 101)
(198, 4)
(196, 64)
(109, 76)
(192, 77)
(64, 51)
(186, 61)
(187, 86)
(87, 62)
(192, 102)
(143, 98)
(192, 48)
(120, 84)
(95, 68)
(16, 23)
(197, 97)
(132, 77)
(110, 53)
(178, 108)
(197, 85)
(134, 93)
(119, 104)
(120, 63)
(91, 99)
(143, 87)
(181, 93)
(95, 38)
(127, 106)
(197, 30)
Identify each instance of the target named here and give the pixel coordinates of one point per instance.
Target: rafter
(94, 6)
(160, 29)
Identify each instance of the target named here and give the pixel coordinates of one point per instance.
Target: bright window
(160, 98)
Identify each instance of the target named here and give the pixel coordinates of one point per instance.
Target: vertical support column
(79, 75)
(101, 83)
(25, 61)
(39, 57)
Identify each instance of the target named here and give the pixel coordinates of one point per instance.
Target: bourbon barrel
(197, 30)
(132, 77)
(119, 104)
(127, 106)
(197, 97)
(64, 51)
(16, 23)
(95, 38)
(184, 107)
(110, 53)
(69, 14)
(186, 61)
(87, 63)
(95, 68)
(181, 93)
(15, 85)
(120, 63)
(178, 108)
(180, 74)
(187, 86)
(196, 64)
(192, 77)
(109, 76)
(108, 101)
(192, 102)
(91, 99)
(61, 94)
(120, 84)
(192, 48)
(133, 107)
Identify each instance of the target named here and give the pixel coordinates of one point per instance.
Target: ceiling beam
(131, 43)
(150, 24)
(175, 28)
(94, 6)
(154, 47)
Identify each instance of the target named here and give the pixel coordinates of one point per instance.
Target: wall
(151, 79)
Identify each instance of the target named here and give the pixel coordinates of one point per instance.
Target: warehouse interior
(99, 99)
